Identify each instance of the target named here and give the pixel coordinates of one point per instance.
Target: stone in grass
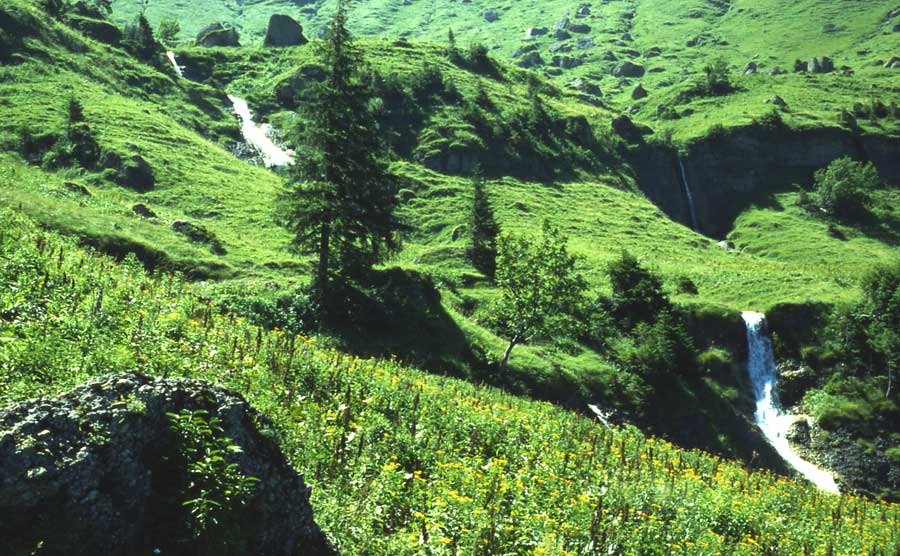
(490, 15)
(218, 34)
(639, 92)
(143, 211)
(98, 470)
(284, 31)
(628, 69)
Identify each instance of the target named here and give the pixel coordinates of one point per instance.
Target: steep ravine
(730, 171)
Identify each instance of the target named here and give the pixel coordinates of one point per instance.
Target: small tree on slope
(340, 201)
(482, 251)
(540, 290)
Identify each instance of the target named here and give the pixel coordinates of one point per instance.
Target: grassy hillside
(403, 462)
(673, 41)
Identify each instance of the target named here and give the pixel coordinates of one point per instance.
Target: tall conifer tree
(340, 202)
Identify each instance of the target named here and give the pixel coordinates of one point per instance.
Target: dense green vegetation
(404, 462)
(99, 139)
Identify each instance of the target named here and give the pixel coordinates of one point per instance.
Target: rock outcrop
(218, 35)
(728, 171)
(98, 470)
(284, 31)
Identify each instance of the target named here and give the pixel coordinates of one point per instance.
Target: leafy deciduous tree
(843, 187)
(540, 290)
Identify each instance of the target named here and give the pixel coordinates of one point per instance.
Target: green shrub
(217, 489)
(843, 188)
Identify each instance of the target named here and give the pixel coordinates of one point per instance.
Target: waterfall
(171, 56)
(769, 416)
(690, 196)
(257, 137)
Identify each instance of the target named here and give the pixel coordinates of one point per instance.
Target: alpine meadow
(450, 277)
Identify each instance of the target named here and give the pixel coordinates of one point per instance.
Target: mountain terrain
(687, 134)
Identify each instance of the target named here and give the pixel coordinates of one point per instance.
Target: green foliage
(844, 188)
(168, 31)
(482, 251)
(661, 348)
(427, 463)
(539, 288)
(217, 488)
(637, 293)
(139, 39)
(75, 111)
(341, 200)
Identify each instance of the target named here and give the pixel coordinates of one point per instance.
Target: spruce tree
(484, 230)
(340, 201)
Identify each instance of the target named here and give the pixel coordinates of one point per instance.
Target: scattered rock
(830, 28)
(609, 56)
(560, 47)
(143, 211)
(583, 11)
(562, 35)
(198, 233)
(896, 28)
(103, 473)
(777, 101)
(794, 380)
(799, 432)
(579, 28)
(531, 60)
(584, 43)
(820, 65)
(725, 245)
(534, 32)
(751, 68)
(653, 52)
(628, 69)
(639, 92)
(586, 87)
(284, 31)
(893, 63)
(561, 24)
(490, 15)
(218, 35)
(566, 62)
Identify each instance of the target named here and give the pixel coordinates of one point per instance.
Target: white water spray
(769, 416)
(690, 196)
(256, 136)
(171, 56)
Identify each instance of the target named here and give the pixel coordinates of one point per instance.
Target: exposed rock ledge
(97, 471)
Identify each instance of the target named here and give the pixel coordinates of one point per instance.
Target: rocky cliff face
(98, 471)
(729, 171)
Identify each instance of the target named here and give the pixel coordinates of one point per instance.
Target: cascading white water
(690, 196)
(171, 56)
(769, 416)
(256, 136)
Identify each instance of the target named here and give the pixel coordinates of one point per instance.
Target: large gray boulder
(284, 31)
(218, 35)
(99, 470)
(628, 69)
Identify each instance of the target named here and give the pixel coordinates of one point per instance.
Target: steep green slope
(550, 152)
(403, 462)
(672, 41)
(181, 129)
